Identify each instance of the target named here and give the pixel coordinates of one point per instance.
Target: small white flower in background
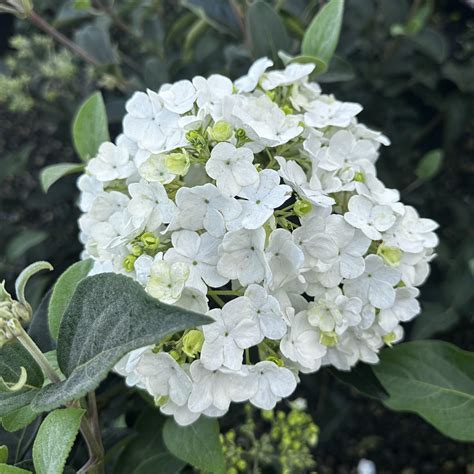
(366, 467)
(256, 202)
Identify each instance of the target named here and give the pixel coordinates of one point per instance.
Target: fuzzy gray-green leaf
(54, 440)
(109, 315)
(63, 291)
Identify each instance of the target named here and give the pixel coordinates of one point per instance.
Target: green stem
(90, 429)
(38, 356)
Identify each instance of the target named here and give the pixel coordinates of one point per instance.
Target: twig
(42, 24)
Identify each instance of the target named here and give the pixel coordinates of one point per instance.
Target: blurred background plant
(409, 63)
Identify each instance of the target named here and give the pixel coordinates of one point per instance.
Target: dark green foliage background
(418, 88)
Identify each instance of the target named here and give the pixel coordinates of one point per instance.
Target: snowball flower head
(256, 202)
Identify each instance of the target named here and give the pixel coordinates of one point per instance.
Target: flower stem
(90, 429)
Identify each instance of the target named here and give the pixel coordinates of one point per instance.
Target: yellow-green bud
(271, 95)
(359, 177)
(390, 338)
(240, 134)
(178, 163)
(129, 262)
(175, 355)
(287, 109)
(391, 255)
(276, 361)
(192, 343)
(328, 339)
(302, 207)
(137, 250)
(150, 241)
(267, 415)
(241, 465)
(160, 401)
(221, 131)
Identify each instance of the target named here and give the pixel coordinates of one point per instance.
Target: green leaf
(24, 277)
(13, 356)
(24, 241)
(147, 449)
(433, 379)
(18, 419)
(90, 129)
(4, 469)
(54, 440)
(197, 444)
(53, 173)
(429, 165)
(3, 454)
(339, 71)
(322, 35)
(321, 66)
(266, 30)
(363, 379)
(62, 293)
(109, 315)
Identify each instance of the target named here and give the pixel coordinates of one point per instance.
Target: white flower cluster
(257, 203)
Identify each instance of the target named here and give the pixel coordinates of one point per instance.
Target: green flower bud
(137, 250)
(129, 262)
(196, 139)
(328, 339)
(178, 163)
(390, 255)
(175, 355)
(390, 338)
(240, 134)
(359, 177)
(221, 131)
(150, 241)
(160, 401)
(275, 360)
(287, 109)
(241, 465)
(192, 343)
(302, 207)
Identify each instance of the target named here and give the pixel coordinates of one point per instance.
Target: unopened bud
(302, 207)
(20, 312)
(328, 339)
(178, 163)
(192, 343)
(390, 255)
(150, 241)
(221, 131)
(129, 263)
